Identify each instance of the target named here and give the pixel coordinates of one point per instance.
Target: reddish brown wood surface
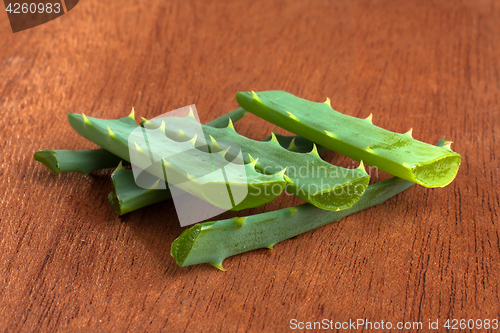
(68, 263)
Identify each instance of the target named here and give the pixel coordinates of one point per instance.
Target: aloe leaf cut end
(48, 158)
(82, 161)
(126, 196)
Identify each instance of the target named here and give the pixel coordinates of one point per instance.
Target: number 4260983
(25, 8)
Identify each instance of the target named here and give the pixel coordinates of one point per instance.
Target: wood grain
(68, 263)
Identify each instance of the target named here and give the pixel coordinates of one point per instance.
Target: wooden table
(68, 263)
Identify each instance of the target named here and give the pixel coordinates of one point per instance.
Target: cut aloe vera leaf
(126, 196)
(87, 161)
(188, 170)
(398, 154)
(308, 176)
(82, 161)
(212, 242)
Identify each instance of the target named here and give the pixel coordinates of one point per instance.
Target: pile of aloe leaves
(331, 194)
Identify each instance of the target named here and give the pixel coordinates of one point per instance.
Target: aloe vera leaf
(212, 242)
(126, 196)
(398, 154)
(308, 176)
(82, 161)
(114, 135)
(87, 161)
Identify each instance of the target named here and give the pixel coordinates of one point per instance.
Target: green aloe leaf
(114, 135)
(212, 242)
(308, 176)
(398, 154)
(87, 161)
